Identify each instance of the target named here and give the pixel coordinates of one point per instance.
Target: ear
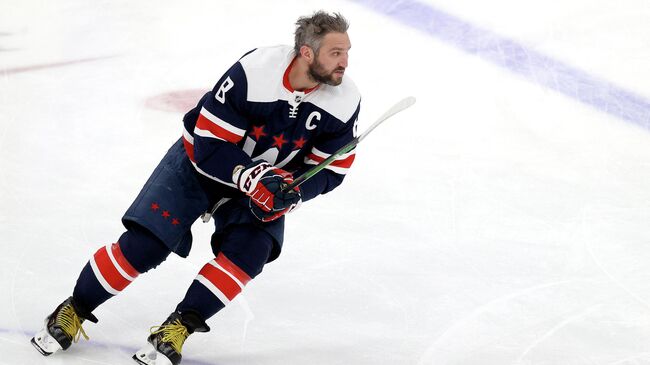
(307, 53)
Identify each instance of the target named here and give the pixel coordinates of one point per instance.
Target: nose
(344, 61)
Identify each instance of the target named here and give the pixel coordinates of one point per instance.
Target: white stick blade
(398, 107)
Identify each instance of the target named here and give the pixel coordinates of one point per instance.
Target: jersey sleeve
(332, 176)
(220, 126)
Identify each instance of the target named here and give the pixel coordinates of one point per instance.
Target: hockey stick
(401, 105)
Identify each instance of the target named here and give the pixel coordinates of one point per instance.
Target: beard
(318, 73)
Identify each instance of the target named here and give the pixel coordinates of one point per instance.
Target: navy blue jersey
(253, 113)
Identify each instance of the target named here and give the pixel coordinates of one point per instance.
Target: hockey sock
(242, 255)
(218, 282)
(113, 267)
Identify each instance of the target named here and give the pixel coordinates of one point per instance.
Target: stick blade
(407, 101)
(398, 107)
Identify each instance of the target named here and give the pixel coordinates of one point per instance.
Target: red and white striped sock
(111, 269)
(223, 278)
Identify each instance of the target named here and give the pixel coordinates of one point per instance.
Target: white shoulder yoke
(264, 68)
(341, 101)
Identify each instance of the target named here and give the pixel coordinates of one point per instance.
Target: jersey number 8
(223, 89)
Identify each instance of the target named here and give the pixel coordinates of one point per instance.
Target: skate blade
(39, 348)
(44, 343)
(148, 355)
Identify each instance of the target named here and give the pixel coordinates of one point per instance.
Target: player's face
(331, 61)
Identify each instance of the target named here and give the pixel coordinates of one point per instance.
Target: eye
(336, 53)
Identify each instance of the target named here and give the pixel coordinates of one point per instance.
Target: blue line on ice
(517, 58)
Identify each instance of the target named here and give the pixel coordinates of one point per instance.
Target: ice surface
(495, 222)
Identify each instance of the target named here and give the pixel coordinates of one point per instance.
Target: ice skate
(62, 328)
(166, 341)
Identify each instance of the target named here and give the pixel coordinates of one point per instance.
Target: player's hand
(263, 183)
(287, 202)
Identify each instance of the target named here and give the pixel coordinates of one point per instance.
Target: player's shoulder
(265, 59)
(341, 101)
(264, 68)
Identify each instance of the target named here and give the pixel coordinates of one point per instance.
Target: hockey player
(275, 113)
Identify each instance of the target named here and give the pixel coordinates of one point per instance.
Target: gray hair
(311, 30)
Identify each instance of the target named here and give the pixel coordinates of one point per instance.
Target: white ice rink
(504, 219)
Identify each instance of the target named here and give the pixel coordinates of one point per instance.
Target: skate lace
(174, 333)
(70, 323)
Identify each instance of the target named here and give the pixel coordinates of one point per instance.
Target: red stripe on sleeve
(206, 124)
(108, 270)
(316, 158)
(233, 269)
(345, 163)
(221, 280)
(122, 261)
(189, 149)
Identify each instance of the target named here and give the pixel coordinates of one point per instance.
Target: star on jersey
(299, 143)
(279, 141)
(258, 132)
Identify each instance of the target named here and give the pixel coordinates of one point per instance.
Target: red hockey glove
(263, 183)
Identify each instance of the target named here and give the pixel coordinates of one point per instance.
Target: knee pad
(248, 247)
(142, 249)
